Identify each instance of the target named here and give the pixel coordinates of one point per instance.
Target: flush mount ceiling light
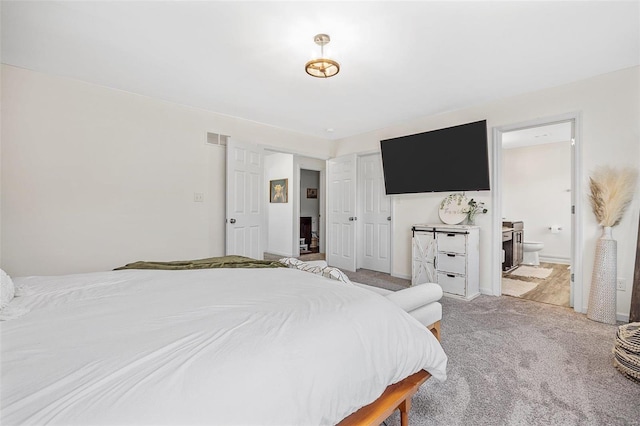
(322, 67)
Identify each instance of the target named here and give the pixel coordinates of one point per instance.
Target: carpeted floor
(378, 279)
(518, 362)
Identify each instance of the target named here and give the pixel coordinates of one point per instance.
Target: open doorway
(536, 180)
(310, 215)
(294, 223)
(536, 213)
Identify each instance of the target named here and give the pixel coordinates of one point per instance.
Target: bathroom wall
(536, 183)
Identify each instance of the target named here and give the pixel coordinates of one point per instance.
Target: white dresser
(448, 255)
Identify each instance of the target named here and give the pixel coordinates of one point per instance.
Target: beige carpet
(513, 362)
(531, 271)
(516, 287)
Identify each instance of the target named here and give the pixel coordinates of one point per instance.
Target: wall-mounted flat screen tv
(450, 159)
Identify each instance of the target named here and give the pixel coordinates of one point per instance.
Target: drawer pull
(451, 255)
(451, 275)
(451, 235)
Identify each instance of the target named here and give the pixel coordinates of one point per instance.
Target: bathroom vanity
(512, 244)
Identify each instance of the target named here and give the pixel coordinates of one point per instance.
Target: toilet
(530, 252)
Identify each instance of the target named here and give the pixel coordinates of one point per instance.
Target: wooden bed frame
(396, 396)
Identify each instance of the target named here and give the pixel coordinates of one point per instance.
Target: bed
(210, 346)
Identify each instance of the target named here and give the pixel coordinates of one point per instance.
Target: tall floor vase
(602, 296)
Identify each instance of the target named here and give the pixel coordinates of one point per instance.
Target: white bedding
(214, 346)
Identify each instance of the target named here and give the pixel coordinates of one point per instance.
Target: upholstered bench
(420, 301)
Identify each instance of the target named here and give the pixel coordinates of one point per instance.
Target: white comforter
(216, 346)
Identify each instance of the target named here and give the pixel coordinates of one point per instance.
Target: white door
(341, 212)
(374, 221)
(245, 212)
(423, 253)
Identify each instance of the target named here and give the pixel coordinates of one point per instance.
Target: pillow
(335, 274)
(319, 269)
(291, 262)
(7, 291)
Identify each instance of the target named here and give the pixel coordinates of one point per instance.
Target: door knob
(352, 218)
(388, 217)
(232, 221)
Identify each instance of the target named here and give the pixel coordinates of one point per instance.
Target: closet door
(341, 212)
(374, 221)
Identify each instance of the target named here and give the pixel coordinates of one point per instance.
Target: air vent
(217, 139)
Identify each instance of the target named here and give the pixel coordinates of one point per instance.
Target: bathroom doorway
(535, 173)
(536, 199)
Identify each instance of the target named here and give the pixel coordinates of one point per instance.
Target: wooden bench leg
(435, 329)
(405, 407)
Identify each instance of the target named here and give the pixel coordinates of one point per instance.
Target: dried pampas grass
(611, 193)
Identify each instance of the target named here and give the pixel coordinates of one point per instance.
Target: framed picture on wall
(312, 192)
(279, 189)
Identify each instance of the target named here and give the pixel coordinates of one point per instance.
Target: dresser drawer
(451, 283)
(452, 242)
(452, 262)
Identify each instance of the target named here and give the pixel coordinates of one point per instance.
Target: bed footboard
(396, 396)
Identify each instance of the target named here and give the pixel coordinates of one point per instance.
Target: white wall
(93, 178)
(309, 206)
(609, 105)
(536, 183)
(279, 215)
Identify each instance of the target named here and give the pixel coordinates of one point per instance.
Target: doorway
(289, 220)
(536, 212)
(536, 168)
(310, 215)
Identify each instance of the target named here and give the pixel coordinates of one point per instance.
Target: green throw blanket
(210, 262)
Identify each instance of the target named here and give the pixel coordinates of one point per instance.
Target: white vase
(602, 295)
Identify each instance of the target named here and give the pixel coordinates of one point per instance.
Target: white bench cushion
(420, 301)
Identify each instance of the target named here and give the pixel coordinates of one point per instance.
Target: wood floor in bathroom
(554, 289)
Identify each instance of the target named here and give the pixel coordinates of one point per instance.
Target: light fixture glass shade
(322, 68)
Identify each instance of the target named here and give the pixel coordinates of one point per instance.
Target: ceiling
(551, 133)
(399, 60)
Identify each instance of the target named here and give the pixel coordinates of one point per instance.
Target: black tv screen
(451, 159)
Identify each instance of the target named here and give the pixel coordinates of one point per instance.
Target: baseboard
(487, 291)
(404, 277)
(556, 259)
(622, 317)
